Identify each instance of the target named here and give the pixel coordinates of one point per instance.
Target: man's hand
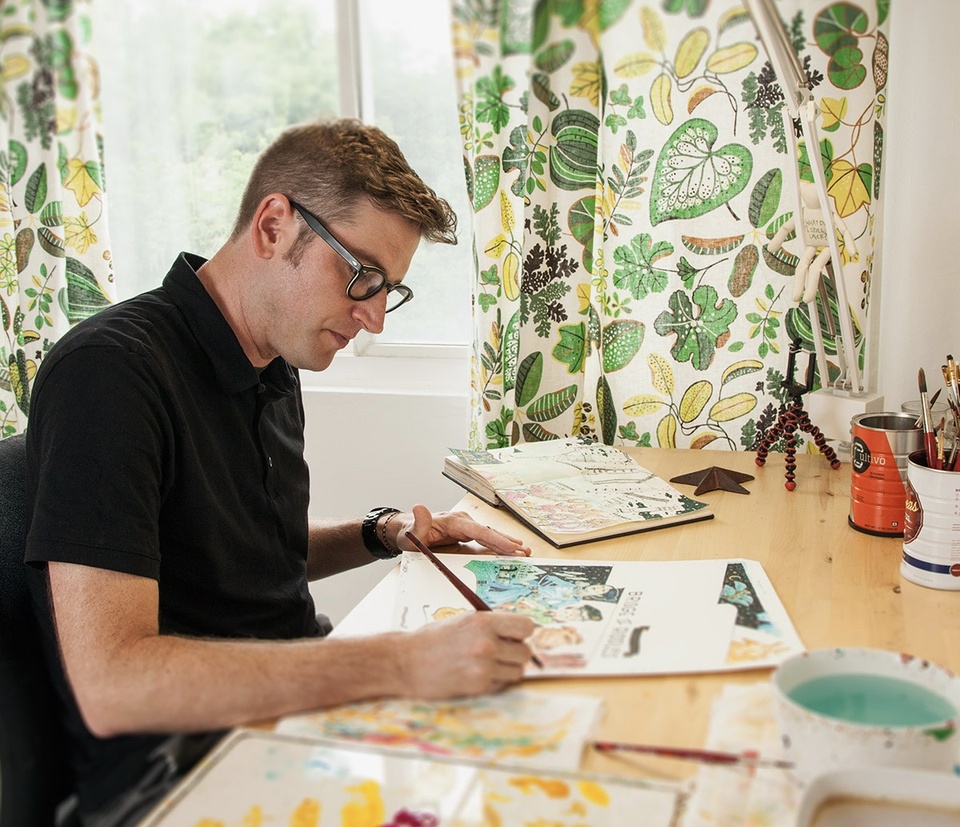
(470, 654)
(449, 527)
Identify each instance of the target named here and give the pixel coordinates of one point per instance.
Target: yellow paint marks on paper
(307, 814)
(367, 810)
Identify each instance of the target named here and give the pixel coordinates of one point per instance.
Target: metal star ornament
(715, 478)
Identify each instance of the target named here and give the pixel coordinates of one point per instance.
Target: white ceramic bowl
(816, 742)
(881, 797)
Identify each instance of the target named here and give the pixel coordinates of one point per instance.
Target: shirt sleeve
(97, 443)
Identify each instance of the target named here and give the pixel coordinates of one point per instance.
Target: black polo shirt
(155, 448)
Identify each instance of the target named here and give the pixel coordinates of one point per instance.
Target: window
(192, 90)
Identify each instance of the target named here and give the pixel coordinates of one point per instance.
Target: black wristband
(368, 531)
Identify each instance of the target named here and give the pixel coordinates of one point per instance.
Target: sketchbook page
(601, 500)
(597, 618)
(538, 461)
(257, 777)
(518, 727)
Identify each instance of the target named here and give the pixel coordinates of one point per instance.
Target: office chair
(34, 777)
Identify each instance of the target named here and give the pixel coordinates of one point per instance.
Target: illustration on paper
(517, 727)
(609, 618)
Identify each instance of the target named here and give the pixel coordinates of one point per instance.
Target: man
(169, 541)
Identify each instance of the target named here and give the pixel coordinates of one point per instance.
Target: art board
(617, 617)
(263, 778)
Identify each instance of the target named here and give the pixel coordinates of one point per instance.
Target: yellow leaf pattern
(847, 188)
(586, 81)
(79, 180)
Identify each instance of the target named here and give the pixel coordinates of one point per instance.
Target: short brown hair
(328, 165)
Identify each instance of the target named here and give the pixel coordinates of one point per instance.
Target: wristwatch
(368, 531)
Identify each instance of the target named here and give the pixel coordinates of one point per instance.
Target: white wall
(919, 296)
(367, 447)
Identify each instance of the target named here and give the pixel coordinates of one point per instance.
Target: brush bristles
(922, 380)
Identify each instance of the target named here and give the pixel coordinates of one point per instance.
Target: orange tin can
(881, 446)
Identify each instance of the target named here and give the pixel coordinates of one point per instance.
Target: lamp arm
(801, 106)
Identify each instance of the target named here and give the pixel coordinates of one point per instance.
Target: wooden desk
(841, 588)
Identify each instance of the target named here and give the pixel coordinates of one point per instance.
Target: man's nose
(371, 312)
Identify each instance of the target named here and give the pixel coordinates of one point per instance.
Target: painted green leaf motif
(846, 69)
(837, 27)
(82, 297)
(582, 220)
(554, 56)
(511, 350)
(692, 178)
(621, 342)
(486, 180)
(52, 214)
(529, 375)
(781, 261)
(572, 347)
(517, 156)
(610, 13)
(540, 83)
(695, 8)
(765, 198)
(490, 107)
(593, 328)
(606, 410)
(36, 193)
(636, 271)
(698, 336)
(536, 433)
(18, 162)
(573, 157)
(826, 158)
(51, 242)
(551, 405)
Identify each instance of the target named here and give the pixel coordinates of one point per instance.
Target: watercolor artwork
(616, 618)
(517, 727)
(261, 779)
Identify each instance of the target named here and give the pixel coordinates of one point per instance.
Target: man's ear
(273, 228)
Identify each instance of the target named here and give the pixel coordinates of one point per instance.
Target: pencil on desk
(472, 597)
(706, 756)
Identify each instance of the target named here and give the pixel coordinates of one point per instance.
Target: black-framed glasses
(367, 281)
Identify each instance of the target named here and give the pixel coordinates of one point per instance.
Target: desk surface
(841, 587)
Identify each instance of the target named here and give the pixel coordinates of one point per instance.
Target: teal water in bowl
(874, 700)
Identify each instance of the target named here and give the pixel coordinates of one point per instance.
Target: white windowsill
(410, 375)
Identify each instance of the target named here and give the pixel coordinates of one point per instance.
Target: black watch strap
(368, 531)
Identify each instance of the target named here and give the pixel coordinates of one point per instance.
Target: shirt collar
(233, 369)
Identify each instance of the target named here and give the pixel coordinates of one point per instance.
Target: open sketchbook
(265, 778)
(518, 727)
(573, 491)
(632, 617)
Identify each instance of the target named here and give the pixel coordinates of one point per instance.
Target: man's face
(311, 316)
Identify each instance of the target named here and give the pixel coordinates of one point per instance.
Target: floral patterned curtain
(628, 167)
(54, 248)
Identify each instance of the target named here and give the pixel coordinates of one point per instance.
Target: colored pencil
(706, 756)
(471, 596)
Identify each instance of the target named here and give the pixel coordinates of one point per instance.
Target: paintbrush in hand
(472, 597)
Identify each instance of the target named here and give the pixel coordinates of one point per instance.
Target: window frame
(356, 101)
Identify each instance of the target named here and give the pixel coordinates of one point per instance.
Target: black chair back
(33, 773)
